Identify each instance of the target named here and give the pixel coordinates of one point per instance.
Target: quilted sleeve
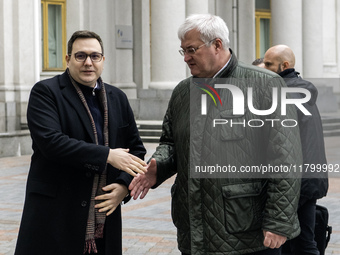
(165, 152)
(283, 150)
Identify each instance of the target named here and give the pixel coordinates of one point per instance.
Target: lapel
(112, 107)
(70, 94)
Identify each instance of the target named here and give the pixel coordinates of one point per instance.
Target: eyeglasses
(82, 56)
(191, 51)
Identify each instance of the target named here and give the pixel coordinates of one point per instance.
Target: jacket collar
(289, 73)
(226, 72)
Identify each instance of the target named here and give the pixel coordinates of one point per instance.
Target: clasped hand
(114, 196)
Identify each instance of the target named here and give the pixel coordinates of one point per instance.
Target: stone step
(329, 120)
(331, 126)
(151, 130)
(149, 124)
(150, 139)
(329, 133)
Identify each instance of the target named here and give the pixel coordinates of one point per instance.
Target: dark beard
(279, 70)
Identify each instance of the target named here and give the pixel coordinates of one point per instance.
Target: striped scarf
(96, 219)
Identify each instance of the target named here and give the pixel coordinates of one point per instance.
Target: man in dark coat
(280, 59)
(86, 149)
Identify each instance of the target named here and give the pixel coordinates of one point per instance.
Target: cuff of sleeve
(123, 182)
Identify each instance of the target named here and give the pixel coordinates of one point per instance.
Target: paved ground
(147, 225)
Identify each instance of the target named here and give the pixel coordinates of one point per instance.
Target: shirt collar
(223, 67)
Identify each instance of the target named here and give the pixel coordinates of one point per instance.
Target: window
(53, 16)
(262, 27)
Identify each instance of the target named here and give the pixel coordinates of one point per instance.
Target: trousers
(304, 244)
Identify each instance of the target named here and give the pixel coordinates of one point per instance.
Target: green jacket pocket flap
(242, 190)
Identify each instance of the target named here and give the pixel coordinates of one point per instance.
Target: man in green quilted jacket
(220, 204)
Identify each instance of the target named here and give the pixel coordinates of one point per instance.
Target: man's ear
(67, 58)
(285, 65)
(218, 44)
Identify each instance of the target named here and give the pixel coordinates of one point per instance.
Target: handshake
(145, 175)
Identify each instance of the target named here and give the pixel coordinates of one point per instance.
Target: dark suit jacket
(63, 164)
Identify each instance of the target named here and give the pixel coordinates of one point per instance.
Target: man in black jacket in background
(280, 59)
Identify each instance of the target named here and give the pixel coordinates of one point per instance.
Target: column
(312, 38)
(123, 73)
(196, 6)
(338, 39)
(329, 38)
(246, 26)
(287, 27)
(167, 65)
(26, 58)
(8, 53)
(224, 9)
(75, 12)
(17, 57)
(3, 68)
(141, 53)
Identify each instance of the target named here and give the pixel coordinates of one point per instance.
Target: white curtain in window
(264, 36)
(55, 58)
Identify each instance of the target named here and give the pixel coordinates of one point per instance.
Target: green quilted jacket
(228, 215)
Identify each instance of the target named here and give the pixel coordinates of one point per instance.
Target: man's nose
(187, 57)
(88, 61)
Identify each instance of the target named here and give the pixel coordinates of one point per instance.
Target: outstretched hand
(141, 184)
(123, 160)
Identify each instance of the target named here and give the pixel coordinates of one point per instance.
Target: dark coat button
(88, 174)
(84, 204)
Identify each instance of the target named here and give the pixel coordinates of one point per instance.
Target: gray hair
(209, 26)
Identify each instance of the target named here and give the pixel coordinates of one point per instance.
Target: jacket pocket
(244, 206)
(234, 127)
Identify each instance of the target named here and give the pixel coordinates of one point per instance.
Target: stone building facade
(141, 45)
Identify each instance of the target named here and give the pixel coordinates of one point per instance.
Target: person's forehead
(86, 43)
(191, 37)
(266, 59)
(269, 57)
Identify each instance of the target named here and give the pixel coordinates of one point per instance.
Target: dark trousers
(264, 252)
(304, 244)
